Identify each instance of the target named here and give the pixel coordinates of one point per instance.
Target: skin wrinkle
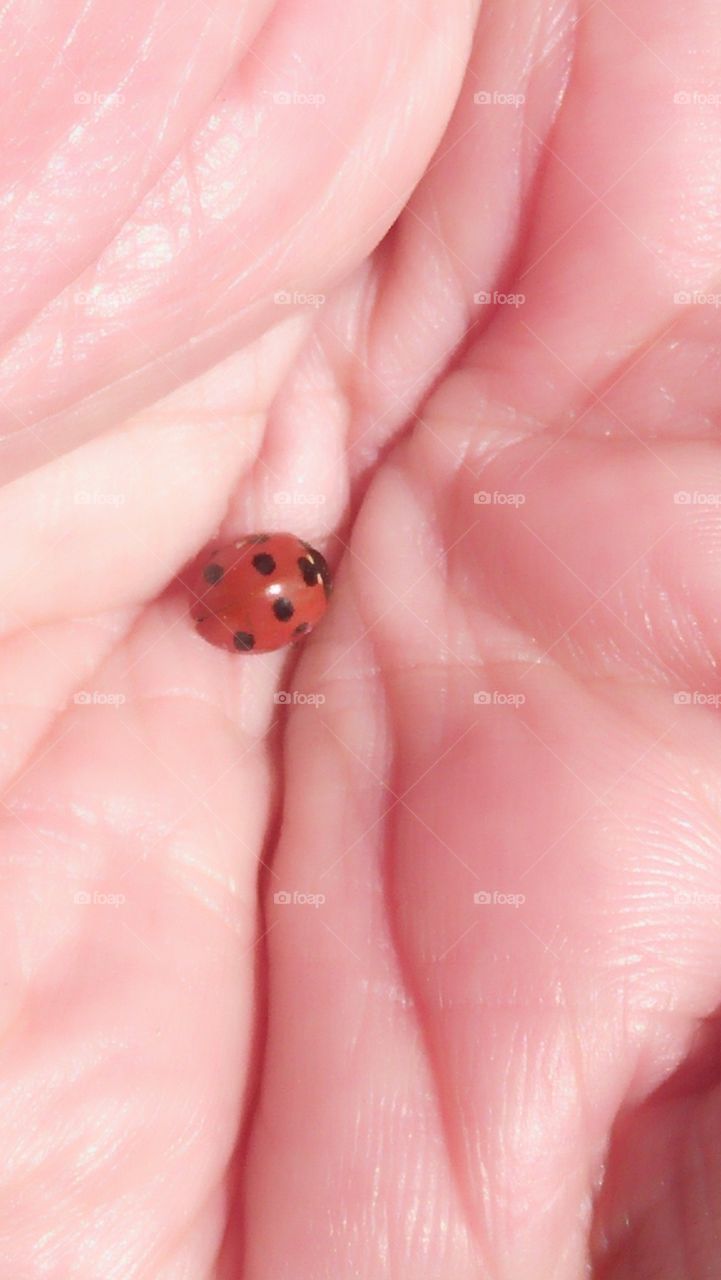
(443, 1108)
(130, 72)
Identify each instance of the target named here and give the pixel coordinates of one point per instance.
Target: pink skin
(398, 1081)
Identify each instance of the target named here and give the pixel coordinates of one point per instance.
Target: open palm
(400, 959)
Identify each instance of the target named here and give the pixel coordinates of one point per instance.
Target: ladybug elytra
(260, 593)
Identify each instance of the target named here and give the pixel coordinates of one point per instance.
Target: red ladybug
(261, 593)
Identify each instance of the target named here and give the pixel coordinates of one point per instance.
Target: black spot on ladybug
(243, 641)
(323, 571)
(302, 628)
(264, 562)
(283, 608)
(213, 573)
(309, 570)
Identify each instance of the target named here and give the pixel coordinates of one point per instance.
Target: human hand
(435, 290)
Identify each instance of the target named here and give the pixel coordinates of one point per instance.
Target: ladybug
(261, 593)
